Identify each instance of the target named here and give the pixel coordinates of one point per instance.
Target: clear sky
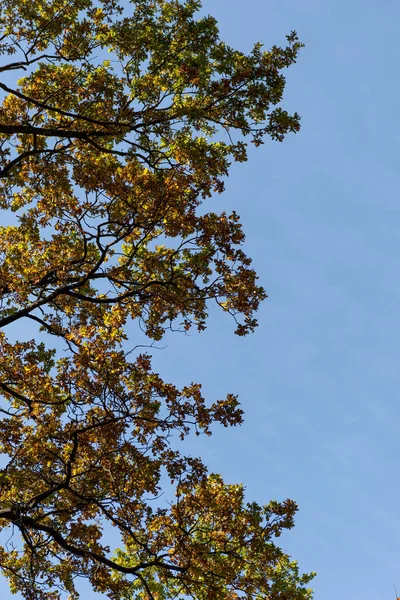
(319, 380)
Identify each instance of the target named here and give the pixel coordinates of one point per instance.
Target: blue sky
(319, 379)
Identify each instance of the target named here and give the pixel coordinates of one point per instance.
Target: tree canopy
(118, 123)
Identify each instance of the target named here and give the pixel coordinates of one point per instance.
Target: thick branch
(19, 519)
(62, 112)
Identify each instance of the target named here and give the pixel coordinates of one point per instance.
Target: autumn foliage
(117, 126)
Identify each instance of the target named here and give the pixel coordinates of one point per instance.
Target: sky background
(319, 380)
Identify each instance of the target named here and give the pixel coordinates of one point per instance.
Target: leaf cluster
(117, 123)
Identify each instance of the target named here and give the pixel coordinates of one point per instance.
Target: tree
(116, 124)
